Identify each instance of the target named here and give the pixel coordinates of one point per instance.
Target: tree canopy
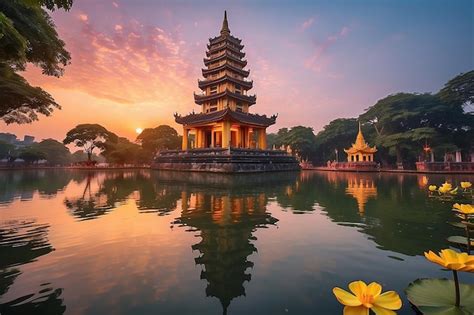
(54, 151)
(404, 123)
(90, 137)
(299, 138)
(338, 135)
(125, 152)
(28, 35)
(162, 137)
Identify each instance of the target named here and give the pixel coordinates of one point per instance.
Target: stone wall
(231, 160)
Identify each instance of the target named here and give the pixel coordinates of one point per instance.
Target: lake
(150, 242)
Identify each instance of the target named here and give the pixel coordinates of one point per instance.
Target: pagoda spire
(225, 31)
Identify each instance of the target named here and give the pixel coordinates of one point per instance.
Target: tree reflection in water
(22, 242)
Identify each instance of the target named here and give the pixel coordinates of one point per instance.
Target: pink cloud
(307, 24)
(319, 59)
(83, 17)
(136, 63)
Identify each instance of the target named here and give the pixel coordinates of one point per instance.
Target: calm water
(144, 242)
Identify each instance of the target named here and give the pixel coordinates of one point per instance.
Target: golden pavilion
(225, 119)
(360, 150)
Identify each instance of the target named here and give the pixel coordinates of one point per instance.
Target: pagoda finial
(225, 26)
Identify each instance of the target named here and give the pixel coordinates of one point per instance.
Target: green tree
(124, 152)
(90, 137)
(338, 135)
(28, 35)
(300, 139)
(405, 122)
(162, 137)
(6, 150)
(55, 152)
(459, 90)
(81, 156)
(31, 155)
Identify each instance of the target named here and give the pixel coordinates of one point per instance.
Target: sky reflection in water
(145, 242)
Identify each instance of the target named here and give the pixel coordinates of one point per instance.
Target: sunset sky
(136, 62)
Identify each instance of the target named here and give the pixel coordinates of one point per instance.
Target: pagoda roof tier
(225, 55)
(205, 83)
(220, 38)
(249, 99)
(236, 51)
(225, 66)
(195, 119)
(357, 150)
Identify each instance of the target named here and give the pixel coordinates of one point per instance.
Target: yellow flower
(466, 185)
(464, 208)
(432, 188)
(453, 260)
(365, 297)
(445, 188)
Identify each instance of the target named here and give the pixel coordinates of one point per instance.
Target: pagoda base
(219, 160)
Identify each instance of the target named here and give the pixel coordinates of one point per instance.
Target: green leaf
(437, 296)
(460, 240)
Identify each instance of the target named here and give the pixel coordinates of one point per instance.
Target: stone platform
(232, 160)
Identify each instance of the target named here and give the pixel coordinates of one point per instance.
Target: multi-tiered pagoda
(224, 127)
(225, 120)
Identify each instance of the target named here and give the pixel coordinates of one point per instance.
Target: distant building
(12, 139)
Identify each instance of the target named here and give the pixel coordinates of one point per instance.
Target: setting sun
(138, 130)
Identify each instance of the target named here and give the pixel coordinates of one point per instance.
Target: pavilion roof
(360, 145)
(248, 99)
(225, 114)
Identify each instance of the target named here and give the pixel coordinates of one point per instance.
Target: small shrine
(360, 150)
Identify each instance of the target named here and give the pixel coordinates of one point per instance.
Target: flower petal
(356, 310)
(390, 300)
(345, 297)
(382, 311)
(358, 288)
(434, 258)
(374, 289)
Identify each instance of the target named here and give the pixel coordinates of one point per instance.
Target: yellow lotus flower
(445, 188)
(464, 208)
(432, 188)
(453, 260)
(365, 297)
(466, 185)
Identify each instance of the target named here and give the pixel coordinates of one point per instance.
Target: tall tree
(28, 35)
(405, 122)
(162, 137)
(6, 150)
(55, 152)
(90, 137)
(31, 155)
(299, 138)
(459, 90)
(125, 152)
(337, 135)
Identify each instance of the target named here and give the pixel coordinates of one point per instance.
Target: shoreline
(324, 169)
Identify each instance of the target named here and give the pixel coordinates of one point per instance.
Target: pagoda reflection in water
(362, 189)
(226, 221)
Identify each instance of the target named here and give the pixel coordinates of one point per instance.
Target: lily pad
(458, 224)
(460, 240)
(437, 296)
